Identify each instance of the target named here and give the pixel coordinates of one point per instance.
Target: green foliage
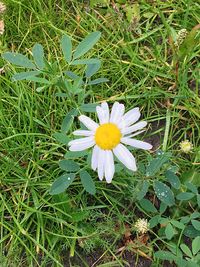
(87, 182)
(66, 46)
(62, 183)
(87, 43)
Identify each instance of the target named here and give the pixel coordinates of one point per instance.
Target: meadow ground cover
(149, 53)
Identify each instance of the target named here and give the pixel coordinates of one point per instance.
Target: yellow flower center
(107, 136)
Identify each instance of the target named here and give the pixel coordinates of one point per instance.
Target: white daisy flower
(109, 137)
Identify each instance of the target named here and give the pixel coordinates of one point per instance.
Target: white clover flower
(108, 138)
(186, 146)
(141, 226)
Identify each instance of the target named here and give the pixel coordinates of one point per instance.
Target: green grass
(37, 229)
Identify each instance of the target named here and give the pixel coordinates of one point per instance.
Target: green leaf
(85, 61)
(69, 165)
(38, 56)
(186, 250)
(68, 120)
(132, 12)
(147, 205)
(191, 232)
(61, 137)
(71, 75)
(196, 245)
(25, 75)
(143, 191)
(97, 81)
(195, 215)
(19, 60)
(169, 231)
(154, 221)
(173, 179)
(79, 216)
(192, 187)
(156, 163)
(164, 255)
(66, 46)
(88, 107)
(164, 193)
(38, 80)
(198, 200)
(62, 183)
(163, 207)
(92, 69)
(86, 44)
(185, 196)
(196, 224)
(75, 154)
(177, 224)
(191, 176)
(87, 182)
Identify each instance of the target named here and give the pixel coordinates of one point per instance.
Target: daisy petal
(125, 156)
(135, 127)
(94, 160)
(136, 143)
(101, 164)
(109, 166)
(81, 147)
(105, 108)
(81, 144)
(117, 112)
(83, 133)
(131, 116)
(89, 123)
(101, 115)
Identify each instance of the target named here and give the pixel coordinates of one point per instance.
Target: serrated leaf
(186, 250)
(196, 224)
(87, 182)
(86, 44)
(169, 231)
(196, 245)
(173, 179)
(164, 193)
(147, 205)
(68, 120)
(38, 56)
(156, 163)
(25, 75)
(185, 196)
(88, 107)
(85, 61)
(61, 183)
(143, 191)
(92, 69)
(19, 60)
(69, 165)
(66, 46)
(97, 81)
